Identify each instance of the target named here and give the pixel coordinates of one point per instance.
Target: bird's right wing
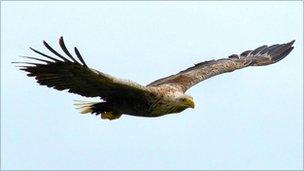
(63, 73)
(263, 55)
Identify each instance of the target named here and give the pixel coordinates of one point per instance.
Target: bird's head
(185, 101)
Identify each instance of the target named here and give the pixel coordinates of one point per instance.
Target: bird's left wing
(263, 55)
(72, 74)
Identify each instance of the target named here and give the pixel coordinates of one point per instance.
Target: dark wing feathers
(263, 55)
(40, 53)
(41, 60)
(244, 54)
(53, 51)
(80, 57)
(65, 50)
(76, 77)
(257, 50)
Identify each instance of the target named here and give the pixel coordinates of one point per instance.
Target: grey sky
(248, 119)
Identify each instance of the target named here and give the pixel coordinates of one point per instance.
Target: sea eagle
(120, 96)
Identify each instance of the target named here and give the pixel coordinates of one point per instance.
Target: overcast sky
(248, 119)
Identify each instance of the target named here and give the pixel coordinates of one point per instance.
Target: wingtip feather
(292, 42)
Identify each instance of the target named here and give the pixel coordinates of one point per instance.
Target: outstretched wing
(263, 55)
(73, 74)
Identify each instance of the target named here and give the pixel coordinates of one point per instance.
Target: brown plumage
(119, 96)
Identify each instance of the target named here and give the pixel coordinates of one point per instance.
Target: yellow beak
(190, 103)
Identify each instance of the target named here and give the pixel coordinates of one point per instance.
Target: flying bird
(119, 96)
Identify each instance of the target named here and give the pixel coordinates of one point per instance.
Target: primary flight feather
(119, 96)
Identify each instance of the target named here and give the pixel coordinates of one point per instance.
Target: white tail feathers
(88, 107)
(84, 106)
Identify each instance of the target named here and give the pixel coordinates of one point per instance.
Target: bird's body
(119, 96)
(154, 104)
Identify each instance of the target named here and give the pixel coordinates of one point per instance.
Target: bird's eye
(183, 99)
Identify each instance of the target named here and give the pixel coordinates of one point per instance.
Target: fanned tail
(98, 108)
(85, 107)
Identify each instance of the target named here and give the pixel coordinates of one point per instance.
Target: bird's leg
(109, 115)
